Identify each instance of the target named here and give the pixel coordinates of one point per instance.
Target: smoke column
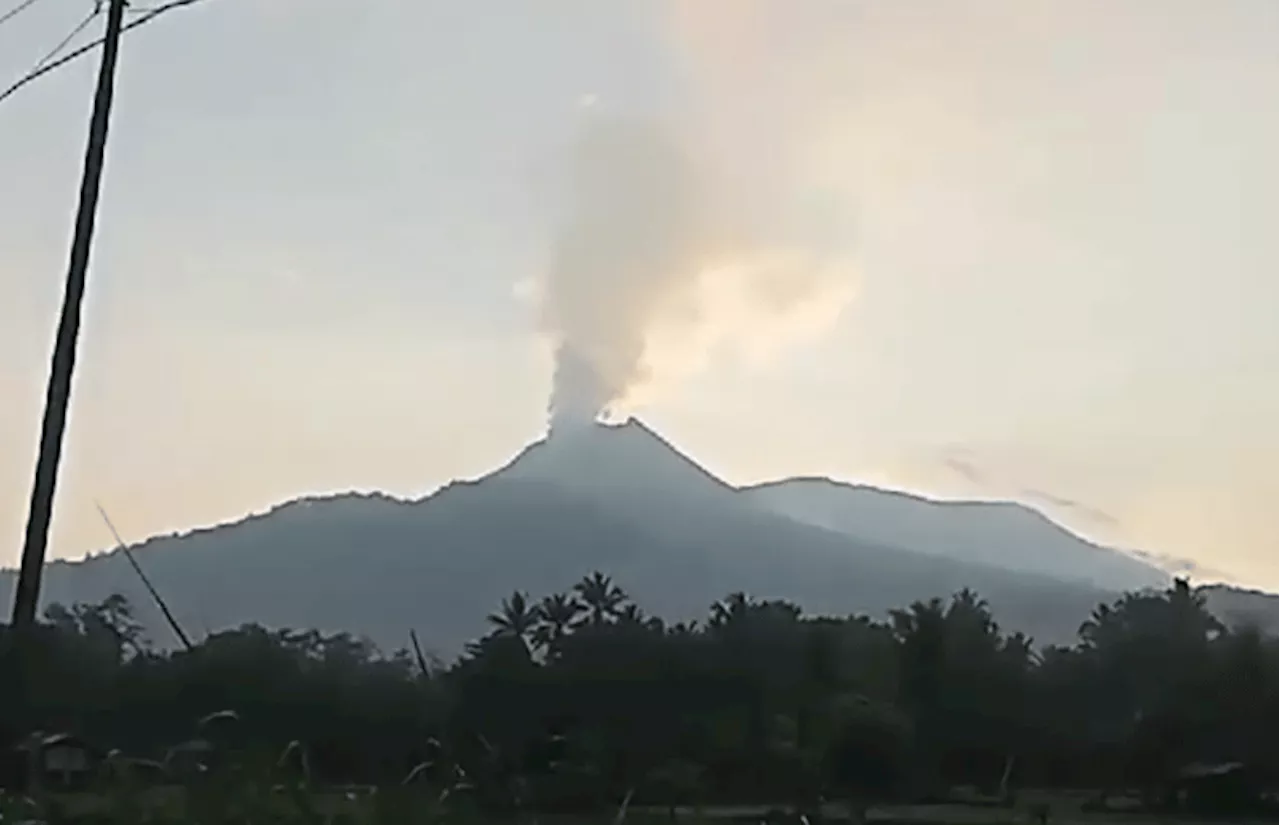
(725, 240)
(630, 237)
(654, 271)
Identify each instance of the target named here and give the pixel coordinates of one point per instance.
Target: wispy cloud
(959, 462)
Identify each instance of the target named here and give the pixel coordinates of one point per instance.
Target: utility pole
(27, 593)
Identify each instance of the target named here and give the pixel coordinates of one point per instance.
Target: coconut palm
(601, 596)
(515, 617)
(559, 612)
(683, 629)
(732, 608)
(633, 617)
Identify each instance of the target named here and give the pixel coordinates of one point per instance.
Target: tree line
(581, 696)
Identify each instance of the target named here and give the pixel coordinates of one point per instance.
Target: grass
(248, 804)
(1065, 812)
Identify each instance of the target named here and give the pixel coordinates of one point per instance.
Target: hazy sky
(322, 223)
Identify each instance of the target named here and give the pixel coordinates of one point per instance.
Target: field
(1066, 812)
(169, 805)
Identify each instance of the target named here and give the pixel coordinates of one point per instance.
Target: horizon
(1009, 252)
(630, 421)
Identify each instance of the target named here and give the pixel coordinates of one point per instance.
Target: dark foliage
(581, 697)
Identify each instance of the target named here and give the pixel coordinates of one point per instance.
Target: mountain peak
(574, 429)
(609, 458)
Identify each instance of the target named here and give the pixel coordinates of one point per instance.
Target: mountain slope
(1003, 534)
(1239, 607)
(615, 499)
(379, 567)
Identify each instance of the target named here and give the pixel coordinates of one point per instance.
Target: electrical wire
(16, 10)
(97, 9)
(41, 70)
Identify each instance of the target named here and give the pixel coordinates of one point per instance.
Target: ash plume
(655, 271)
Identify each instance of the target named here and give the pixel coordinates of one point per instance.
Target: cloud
(961, 464)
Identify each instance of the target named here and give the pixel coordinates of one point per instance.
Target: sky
(323, 228)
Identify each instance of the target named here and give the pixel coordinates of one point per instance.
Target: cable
(42, 62)
(15, 11)
(40, 71)
(97, 9)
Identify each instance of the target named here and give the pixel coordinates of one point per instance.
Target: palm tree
(732, 608)
(516, 617)
(1092, 629)
(601, 596)
(632, 616)
(558, 612)
(683, 629)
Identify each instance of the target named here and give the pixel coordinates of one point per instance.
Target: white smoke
(656, 271)
(632, 226)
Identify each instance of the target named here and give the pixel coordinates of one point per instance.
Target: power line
(40, 71)
(94, 12)
(16, 10)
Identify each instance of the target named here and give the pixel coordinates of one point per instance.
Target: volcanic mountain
(1000, 533)
(621, 500)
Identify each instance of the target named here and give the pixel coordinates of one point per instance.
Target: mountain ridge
(854, 508)
(616, 498)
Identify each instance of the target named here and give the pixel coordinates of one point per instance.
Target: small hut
(59, 759)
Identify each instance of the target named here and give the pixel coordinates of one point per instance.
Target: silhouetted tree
(601, 596)
(760, 703)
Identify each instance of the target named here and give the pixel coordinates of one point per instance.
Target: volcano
(620, 499)
(615, 464)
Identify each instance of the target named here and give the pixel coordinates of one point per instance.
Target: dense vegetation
(581, 697)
